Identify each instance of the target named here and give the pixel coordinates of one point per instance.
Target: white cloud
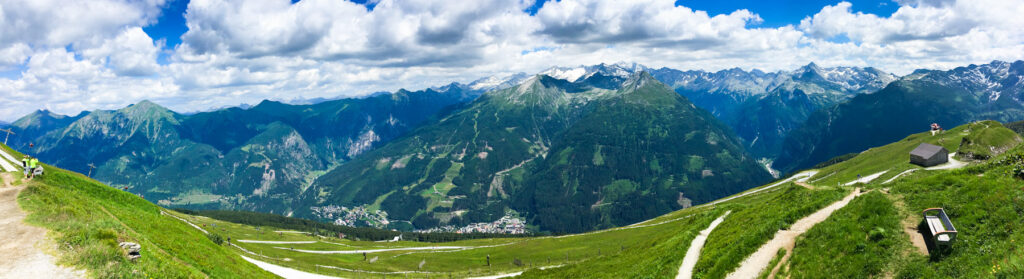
(131, 53)
(14, 54)
(76, 55)
(54, 23)
(657, 22)
(908, 23)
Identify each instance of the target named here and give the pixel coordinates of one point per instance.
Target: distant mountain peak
(37, 117)
(145, 105)
(811, 66)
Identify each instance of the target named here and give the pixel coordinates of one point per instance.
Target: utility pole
(9, 132)
(91, 166)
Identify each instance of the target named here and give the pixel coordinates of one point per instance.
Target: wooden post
(9, 132)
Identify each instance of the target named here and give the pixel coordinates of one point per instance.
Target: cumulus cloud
(55, 23)
(919, 22)
(592, 21)
(75, 55)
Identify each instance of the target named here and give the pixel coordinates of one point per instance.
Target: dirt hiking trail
(693, 253)
(20, 253)
(752, 266)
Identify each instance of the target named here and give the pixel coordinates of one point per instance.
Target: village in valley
(507, 225)
(361, 216)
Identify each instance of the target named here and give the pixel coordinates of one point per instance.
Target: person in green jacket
(32, 163)
(24, 165)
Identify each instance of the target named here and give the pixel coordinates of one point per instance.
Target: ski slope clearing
(7, 162)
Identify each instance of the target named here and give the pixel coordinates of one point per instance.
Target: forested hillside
(568, 156)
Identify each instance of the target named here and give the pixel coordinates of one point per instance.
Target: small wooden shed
(927, 155)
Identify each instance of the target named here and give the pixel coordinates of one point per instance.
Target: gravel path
(802, 176)
(276, 242)
(284, 272)
(952, 164)
(375, 250)
(693, 253)
(752, 266)
(866, 179)
(20, 253)
(906, 172)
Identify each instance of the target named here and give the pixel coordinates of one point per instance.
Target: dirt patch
(804, 184)
(910, 227)
(20, 253)
(7, 178)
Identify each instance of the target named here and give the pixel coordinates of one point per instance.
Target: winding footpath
(866, 179)
(952, 164)
(284, 272)
(373, 250)
(752, 266)
(693, 253)
(801, 177)
(906, 172)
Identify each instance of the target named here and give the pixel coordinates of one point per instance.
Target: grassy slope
(596, 247)
(986, 209)
(895, 157)
(754, 221)
(862, 238)
(88, 220)
(775, 209)
(985, 202)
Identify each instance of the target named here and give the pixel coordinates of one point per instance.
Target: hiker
(32, 164)
(24, 165)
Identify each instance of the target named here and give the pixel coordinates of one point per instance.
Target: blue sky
(171, 24)
(785, 12)
(68, 56)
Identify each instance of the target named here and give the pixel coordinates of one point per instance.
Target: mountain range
(257, 158)
(595, 152)
(569, 149)
(993, 91)
(762, 108)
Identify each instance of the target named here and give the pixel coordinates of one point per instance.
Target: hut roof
(926, 150)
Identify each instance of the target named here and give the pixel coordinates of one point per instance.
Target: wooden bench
(942, 230)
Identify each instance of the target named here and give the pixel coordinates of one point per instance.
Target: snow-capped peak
(573, 74)
(498, 82)
(569, 74)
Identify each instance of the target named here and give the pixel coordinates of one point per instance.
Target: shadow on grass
(935, 252)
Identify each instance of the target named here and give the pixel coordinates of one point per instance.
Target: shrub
(216, 238)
